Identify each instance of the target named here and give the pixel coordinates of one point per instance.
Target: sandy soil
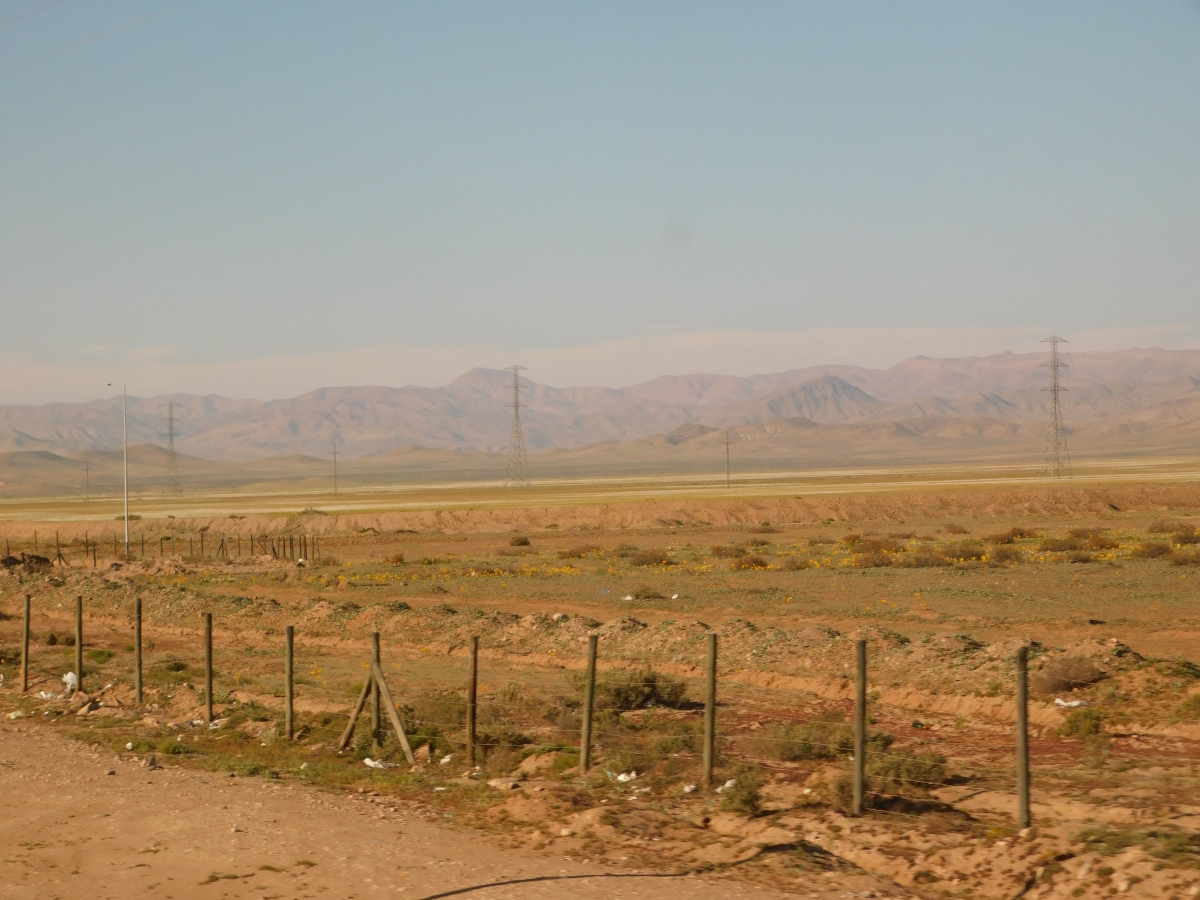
(80, 823)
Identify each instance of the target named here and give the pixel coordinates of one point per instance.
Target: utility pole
(87, 482)
(518, 465)
(173, 487)
(125, 445)
(335, 468)
(1057, 460)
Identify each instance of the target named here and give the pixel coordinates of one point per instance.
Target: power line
(1057, 460)
(518, 465)
(33, 12)
(97, 37)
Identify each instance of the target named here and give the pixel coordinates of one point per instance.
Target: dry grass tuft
(955, 528)
(1150, 550)
(749, 562)
(1064, 674)
(651, 557)
(728, 551)
(579, 552)
(1060, 545)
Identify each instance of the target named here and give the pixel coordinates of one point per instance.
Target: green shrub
(100, 655)
(744, 797)
(828, 736)
(1086, 723)
(638, 690)
(893, 770)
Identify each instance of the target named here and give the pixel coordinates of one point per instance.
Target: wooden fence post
(79, 643)
(710, 711)
(376, 707)
(289, 722)
(208, 669)
(860, 725)
(589, 699)
(1023, 816)
(25, 649)
(137, 649)
(472, 697)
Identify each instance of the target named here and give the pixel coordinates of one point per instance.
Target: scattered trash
(445, 760)
(1069, 704)
(504, 784)
(379, 764)
(689, 788)
(731, 783)
(627, 597)
(70, 681)
(129, 746)
(808, 790)
(16, 714)
(45, 695)
(565, 832)
(303, 765)
(628, 776)
(674, 596)
(439, 788)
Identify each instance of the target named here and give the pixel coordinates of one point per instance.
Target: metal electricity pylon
(1057, 460)
(172, 487)
(518, 465)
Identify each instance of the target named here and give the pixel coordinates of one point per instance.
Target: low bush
(1085, 533)
(924, 559)
(893, 771)
(1080, 556)
(964, 550)
(1161, 526)
(645, 592)
(955, 528)
(1150, 550)
(99, 655)
(1066, 673)
(1185, 559)
(395, 559)
(1006, 554)
(519, 541)
(828, 736)
(652, 557)
(749, 562)
(1060, 545)
(1100, 542)
(796, 564)
(873, 561)
(851, 538)
(1086, 723)
(744, 796)
(638, 690)
(728, 551)
(879, 545)
(579, 552)
(1186, 536)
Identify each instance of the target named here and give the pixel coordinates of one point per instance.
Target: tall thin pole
(710, 711)
(25, 649)
(860, 725)
(137, 649)
(472, 698)
(125, 446)
(87, 482)
(79, 643)
(288, 670)
(589, 699)
(1023, 817)
(376, 709)
(335, 468)
(208, 669)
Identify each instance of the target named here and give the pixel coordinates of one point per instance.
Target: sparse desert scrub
(728, 551)
(1064, 674)
(955, 528)
(1150, 550)
(1060, 545)
(749, 562)
(651, 557)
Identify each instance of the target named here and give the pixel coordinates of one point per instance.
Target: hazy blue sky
(241, 197)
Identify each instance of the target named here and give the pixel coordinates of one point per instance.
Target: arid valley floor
(1100, 578)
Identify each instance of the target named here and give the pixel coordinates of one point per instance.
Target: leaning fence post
(376, 708)
(79, 643)
(208, 673)
(288, 718)
(589, 698)
(472, 686)
(1023, 817)
(137, 649)
(860, 725)
(25, 649)
(710, 710)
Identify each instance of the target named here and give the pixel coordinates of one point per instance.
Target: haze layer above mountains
(1117, 396)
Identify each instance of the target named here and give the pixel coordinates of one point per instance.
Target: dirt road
(81, 823)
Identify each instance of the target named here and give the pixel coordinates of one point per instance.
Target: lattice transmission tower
(518, 465)
(1057, 460)
(172, 487)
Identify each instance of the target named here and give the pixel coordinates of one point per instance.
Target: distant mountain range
(1121, 396)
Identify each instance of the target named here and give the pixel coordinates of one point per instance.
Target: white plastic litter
(627, 597)
(732, 782)
(70, 681)
(627, 776)
(689, 788)
(1069, 704)
(674, 596)
(379, 764)
(445, 760)
(129, 746)
(45, 695)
